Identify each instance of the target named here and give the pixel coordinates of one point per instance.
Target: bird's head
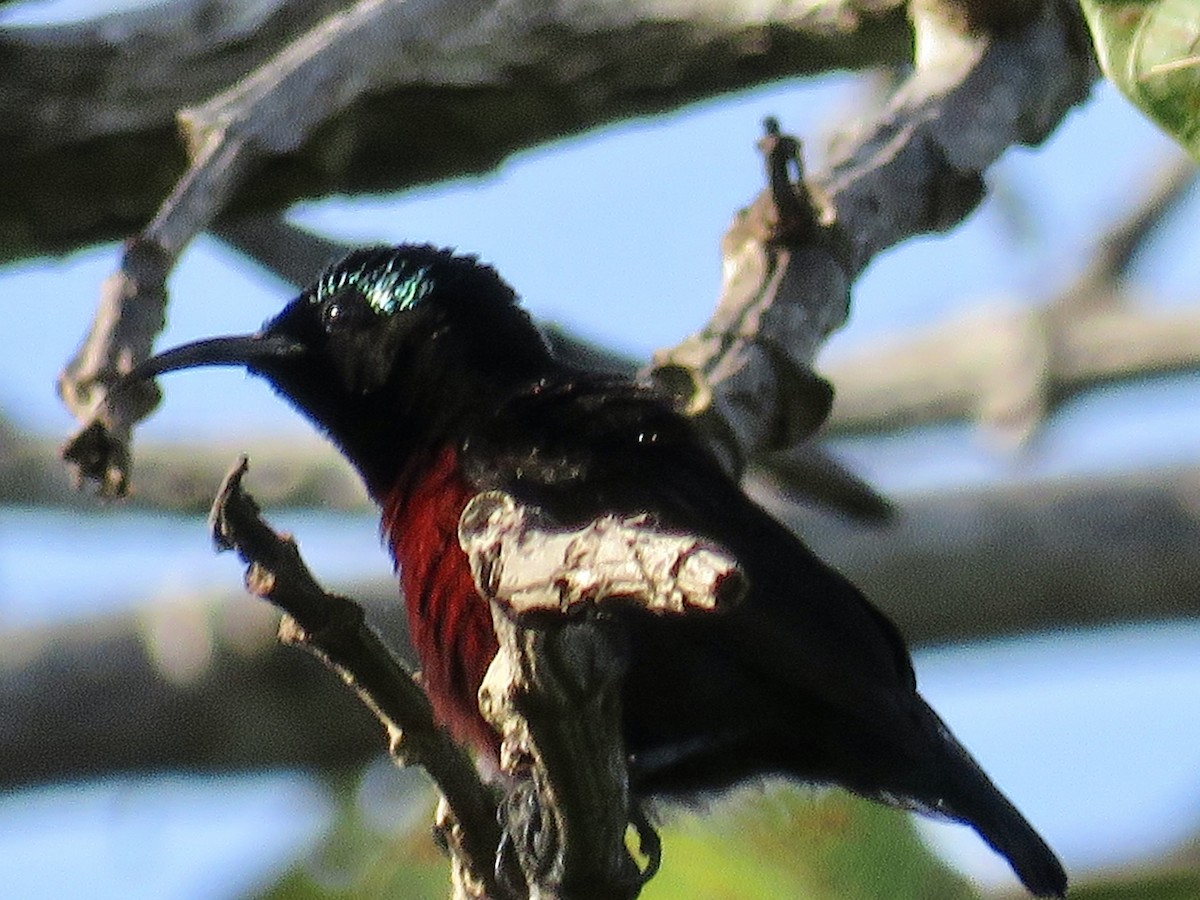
(391, 348)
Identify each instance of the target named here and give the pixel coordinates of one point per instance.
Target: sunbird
(421, 367)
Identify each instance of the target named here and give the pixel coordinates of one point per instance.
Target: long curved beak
(237, 350)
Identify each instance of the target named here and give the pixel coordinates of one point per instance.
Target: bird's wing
(805, 677)
(587, 447)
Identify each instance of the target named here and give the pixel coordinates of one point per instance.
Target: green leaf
(793, 842)
(1150, 49)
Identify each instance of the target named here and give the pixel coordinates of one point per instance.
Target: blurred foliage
(778, 842)
(367, 853)
(1150, 49)
(781, 841)
(787, 841)
(1164, 886)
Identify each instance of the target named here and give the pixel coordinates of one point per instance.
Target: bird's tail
(969, 796)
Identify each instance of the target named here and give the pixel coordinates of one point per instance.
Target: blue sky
(616, 234)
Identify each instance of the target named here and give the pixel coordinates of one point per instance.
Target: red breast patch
(450, 624)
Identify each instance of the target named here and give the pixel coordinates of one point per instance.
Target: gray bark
(86, 699)
(1010, 367)
(790, 259)
(1007, 367)
(410, 93)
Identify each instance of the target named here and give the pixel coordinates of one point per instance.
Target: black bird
(419, 365)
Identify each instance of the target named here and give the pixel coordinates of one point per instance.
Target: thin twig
(553, 690)
(1128, 235)
(131, 312)
(334, 629)
(293, 254)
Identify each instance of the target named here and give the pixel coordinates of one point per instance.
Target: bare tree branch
(1119, 246)
(292, 254)
(1011, 367)
(1007, 367)
(131, 313)
(916, 168)
(335, 630)
(196, 685)
(431, 90)
(1046, 554)
(175, 686)
(552, 691)
(529, 569)
(129, 72)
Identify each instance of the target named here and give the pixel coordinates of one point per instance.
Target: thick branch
(198, 688)
(130, 72)
(91, 144)
(916, 168)
(553, 691)
(1047, 554)
(176, 686)
(531, 569)
(1007, 367)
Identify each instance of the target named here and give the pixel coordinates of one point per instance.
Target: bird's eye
(338, 313)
